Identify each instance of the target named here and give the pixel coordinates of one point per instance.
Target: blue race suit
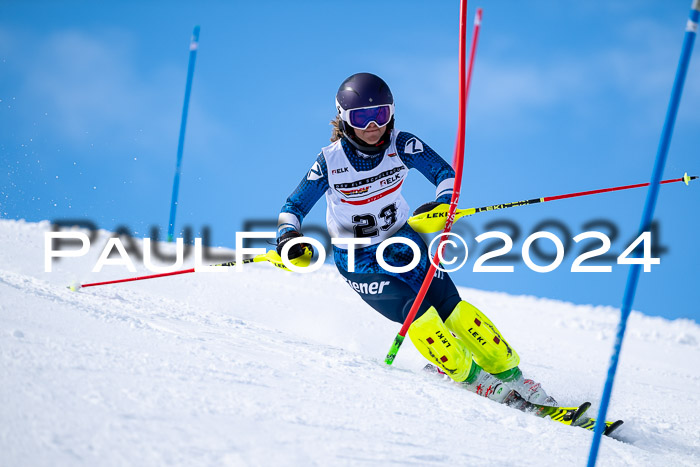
(391, 294)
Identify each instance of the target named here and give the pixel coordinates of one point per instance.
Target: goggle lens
(361, 118)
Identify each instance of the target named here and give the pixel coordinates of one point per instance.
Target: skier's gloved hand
(296, 250)
(427, 207)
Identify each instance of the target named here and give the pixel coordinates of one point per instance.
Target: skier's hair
(337, 133)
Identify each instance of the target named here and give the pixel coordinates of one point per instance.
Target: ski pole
(75, 288)
(434, 220)
(464, 81)
(271, 256)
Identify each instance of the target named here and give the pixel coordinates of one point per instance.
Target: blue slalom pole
(194, 44)
(647, 215)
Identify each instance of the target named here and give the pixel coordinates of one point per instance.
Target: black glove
(427, 207)
(296, 250)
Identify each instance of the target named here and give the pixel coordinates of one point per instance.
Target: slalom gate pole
(458, 164)
(647, 215)
(430, 222)
(74, 288)
(194, 44)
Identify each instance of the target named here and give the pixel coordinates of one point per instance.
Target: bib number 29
(367, 225)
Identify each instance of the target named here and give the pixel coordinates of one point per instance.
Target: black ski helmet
(363, 90)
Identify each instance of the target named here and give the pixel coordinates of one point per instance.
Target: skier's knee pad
(435, 342)
(478, 333)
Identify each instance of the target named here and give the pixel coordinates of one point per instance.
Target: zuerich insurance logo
(447, 252)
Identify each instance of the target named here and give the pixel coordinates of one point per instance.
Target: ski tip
(581, 410)
(609, 426)
(612, 427)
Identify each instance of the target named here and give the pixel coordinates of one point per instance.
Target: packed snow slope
(267, 367)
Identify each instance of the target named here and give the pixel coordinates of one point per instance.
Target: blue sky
(566, 96)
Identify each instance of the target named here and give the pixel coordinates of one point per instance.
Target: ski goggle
(361, 118)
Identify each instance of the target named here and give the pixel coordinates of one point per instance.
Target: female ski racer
(361, 173)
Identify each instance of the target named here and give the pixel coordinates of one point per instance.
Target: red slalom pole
(458, 160)
(458, 157)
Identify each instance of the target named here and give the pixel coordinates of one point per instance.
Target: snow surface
(267, 367)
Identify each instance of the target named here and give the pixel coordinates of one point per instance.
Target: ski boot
(530, 390)
(487, 385)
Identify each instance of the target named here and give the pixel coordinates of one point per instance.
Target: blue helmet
(364, 98)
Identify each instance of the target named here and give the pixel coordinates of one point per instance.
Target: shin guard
(436, 343)
(478, 333)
